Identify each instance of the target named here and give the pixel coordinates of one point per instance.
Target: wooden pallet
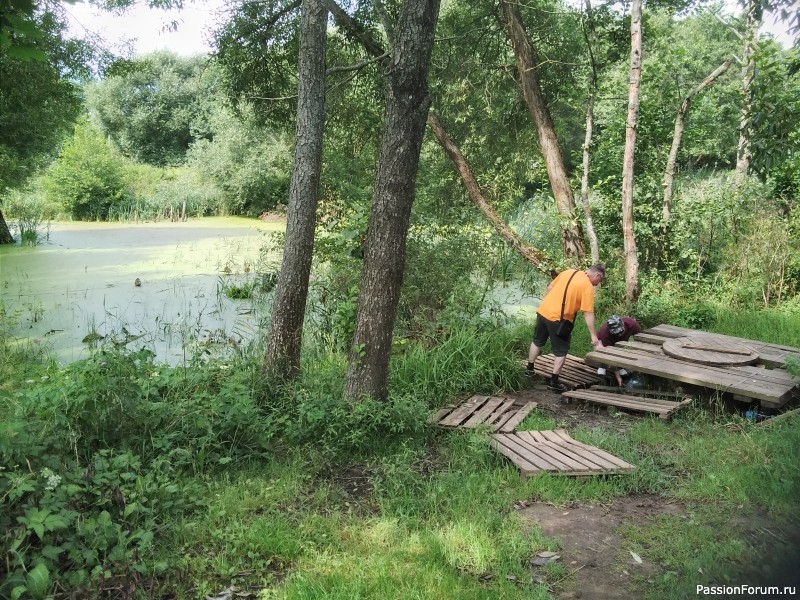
(663, 408)
(574, 374)
(554, 451)
(499, 413)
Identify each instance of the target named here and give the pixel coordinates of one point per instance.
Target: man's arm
(589, 318)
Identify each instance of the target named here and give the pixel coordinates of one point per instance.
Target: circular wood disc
(709, 350)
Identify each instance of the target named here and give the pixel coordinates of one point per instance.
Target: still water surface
(81, 281)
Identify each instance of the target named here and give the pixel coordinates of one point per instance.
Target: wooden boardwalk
(499, 413)
(637, 403)
(554, 451)
(772, 387)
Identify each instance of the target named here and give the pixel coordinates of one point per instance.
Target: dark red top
(629, 327)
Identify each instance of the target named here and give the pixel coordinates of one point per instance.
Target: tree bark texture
(591, 42)
(282, 356)
(677, 136)
(407, 103)
(629, 241)
(753, 22)
(5, 234)
(533, 255)
(572, 236)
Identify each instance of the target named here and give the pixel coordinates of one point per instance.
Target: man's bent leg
(558, 362)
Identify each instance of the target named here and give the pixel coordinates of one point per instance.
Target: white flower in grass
(51, 479)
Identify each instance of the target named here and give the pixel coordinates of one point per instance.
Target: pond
(158, 285)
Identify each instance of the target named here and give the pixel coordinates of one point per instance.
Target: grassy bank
(119, 474)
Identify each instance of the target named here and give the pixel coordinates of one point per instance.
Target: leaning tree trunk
(407, 103)
(677, 136)
(571, 233)
(533, 255)
(282, 356)
(591, 43)
(5, 234)
(753, 16)
(629, 241)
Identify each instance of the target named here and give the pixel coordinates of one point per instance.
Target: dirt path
(591, 548)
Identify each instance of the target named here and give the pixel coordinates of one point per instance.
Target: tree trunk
(282, 356)
(677, 136)
(407, 103)
(571, 233)
(5, 234)
(533, 255)
(631, 255)
(591, 42)
(753, 18)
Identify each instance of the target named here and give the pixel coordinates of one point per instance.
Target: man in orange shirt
(570, 292)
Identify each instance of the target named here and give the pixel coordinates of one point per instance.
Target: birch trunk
(629, 240)
(591, 42)
(753, 22)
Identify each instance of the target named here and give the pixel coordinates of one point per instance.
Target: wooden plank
(639, 392)
(620, 396)
(479, 416)
(556, 452)
(650, 348)
(750, 384)
(500, 411)
(518, 417)
(607, 456)
(461, 413)
(778, 418)
(560, 460)
(540, 462)
(525, 466)
(650, 338)
(573, 456)
(713, 348)
(441, 413)
(552, 436)
(620, 400)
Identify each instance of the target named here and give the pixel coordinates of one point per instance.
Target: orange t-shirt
(580, 296)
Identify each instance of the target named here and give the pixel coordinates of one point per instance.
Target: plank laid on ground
(574, 374)
(772, 355)
(769, 389)
(640, 392)
(501, 414)
(663, 408)
(556, 452)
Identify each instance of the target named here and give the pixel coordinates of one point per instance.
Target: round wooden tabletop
(709, 350)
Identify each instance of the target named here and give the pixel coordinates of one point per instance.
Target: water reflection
(80, 285)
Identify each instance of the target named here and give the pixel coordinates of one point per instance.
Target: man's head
(615, 325)
(596, 274)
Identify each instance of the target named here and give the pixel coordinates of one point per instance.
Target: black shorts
(547, 329)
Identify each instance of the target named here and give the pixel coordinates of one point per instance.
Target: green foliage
(248, 165)
(88, 179)
(156, 106)
(39, 99)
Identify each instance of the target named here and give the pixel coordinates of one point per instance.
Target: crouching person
(617, 329)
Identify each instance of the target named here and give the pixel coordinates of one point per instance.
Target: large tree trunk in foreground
(533, 255)
(572, 236)
(631, 255)
(282, 356)
(407, 103)
(677, 136)
(591, 43)
(753, 22)
(5, 234)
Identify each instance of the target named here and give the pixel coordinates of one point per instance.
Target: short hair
(599, 269)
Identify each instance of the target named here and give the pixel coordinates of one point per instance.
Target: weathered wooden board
(554, 451)
(499, 413)
(772, 390)
(650, 338)
(772, 355)
(574, 374)
(663, 408)
(709, 350)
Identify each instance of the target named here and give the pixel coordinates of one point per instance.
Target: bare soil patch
(592, 551)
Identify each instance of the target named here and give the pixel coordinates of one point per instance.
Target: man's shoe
(601, 371)
(530, 374)
(623, 373)
(557, 387)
